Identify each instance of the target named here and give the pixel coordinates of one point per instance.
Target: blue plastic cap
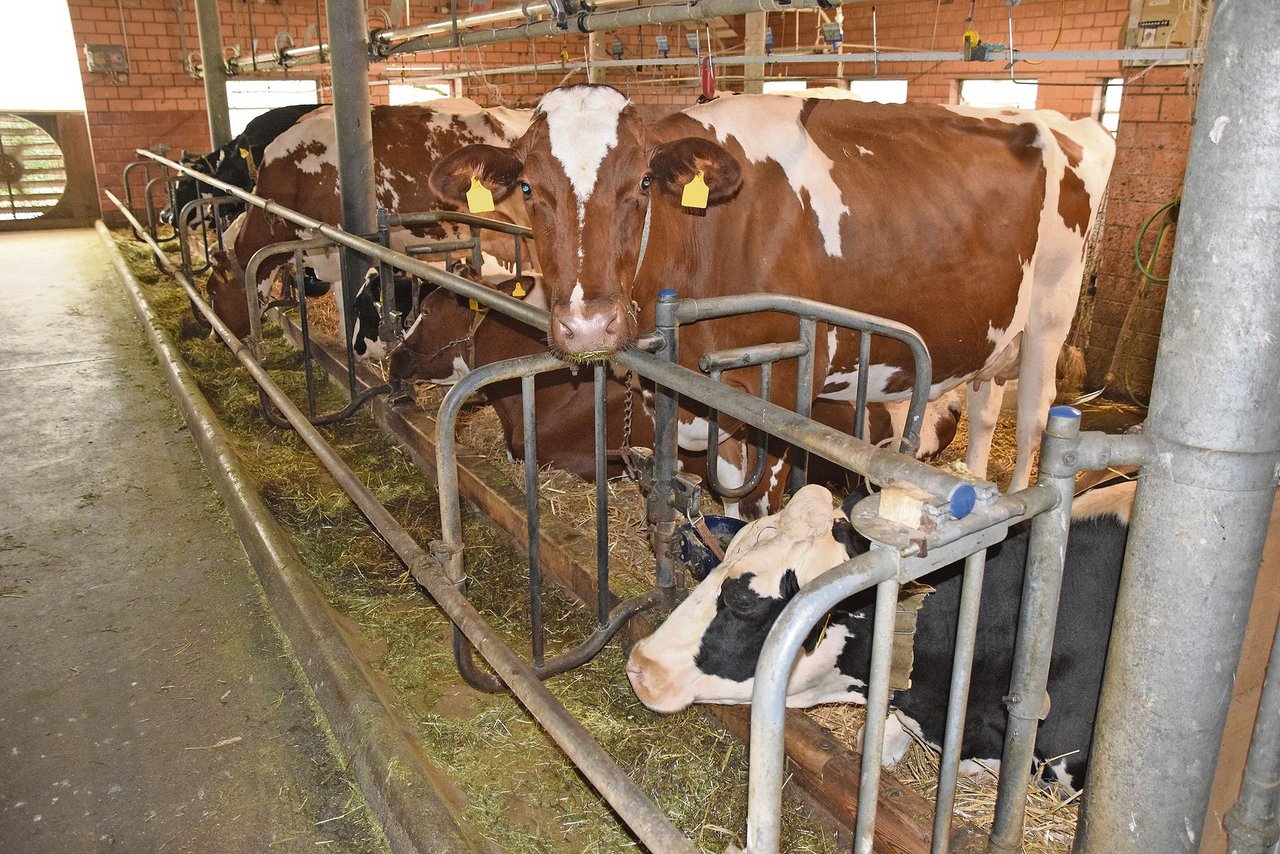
(666, 293)
(1063, 412)
(963, 497)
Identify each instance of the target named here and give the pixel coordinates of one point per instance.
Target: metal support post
(1205, 495)
(349, 59)
(662, 515)
(753, 75)
(1046, 553)
(1252, 823)
(215, 72)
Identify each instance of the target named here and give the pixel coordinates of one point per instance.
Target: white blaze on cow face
(582, 126)
(706, 651)
(768, 127)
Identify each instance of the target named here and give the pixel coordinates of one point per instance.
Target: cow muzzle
(654, 684)
(592, 330)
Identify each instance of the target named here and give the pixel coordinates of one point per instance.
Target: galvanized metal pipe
(1204, 498)
(769, 694)
(975, 567)
(1042, 587)
(953, 541)
(209, 26)
(1252, 825)
(645, 820)
(864, 831)
(598, 21)
(694, 310)
(660, 509)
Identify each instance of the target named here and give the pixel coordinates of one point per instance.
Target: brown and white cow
(450, 338)
(299, 170)
(707, 649)
(969, 226)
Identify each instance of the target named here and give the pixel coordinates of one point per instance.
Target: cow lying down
(706, 651)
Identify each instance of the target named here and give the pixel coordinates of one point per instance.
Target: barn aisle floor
(147, 704)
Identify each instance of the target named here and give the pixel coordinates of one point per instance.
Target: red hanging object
(707, 76)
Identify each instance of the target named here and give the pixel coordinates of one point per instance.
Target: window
(784, 87)
(408, 93)
(998, 93)
(39, 59)
(248, 99)
(880, 91)
(1109, 114)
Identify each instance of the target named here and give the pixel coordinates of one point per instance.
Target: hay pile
(1051, 811)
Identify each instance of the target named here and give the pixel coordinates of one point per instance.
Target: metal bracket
(686, 497)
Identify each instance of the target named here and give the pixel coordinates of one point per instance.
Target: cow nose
(590, 330)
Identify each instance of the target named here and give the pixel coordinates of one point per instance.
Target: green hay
(521, 792)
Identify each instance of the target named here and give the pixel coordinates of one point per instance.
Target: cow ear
(495, 168)
(675, 164)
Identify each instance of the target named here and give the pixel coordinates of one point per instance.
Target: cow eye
(645, 182)
(526, 189)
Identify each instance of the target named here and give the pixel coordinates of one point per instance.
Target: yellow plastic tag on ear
(519, 292)
(479, 199)
(473, 305)
(244, 153)
(695, 193)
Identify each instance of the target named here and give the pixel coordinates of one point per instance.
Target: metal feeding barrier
(970, 518)
(672, 496)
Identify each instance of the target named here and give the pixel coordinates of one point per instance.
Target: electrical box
(1167, 23)
(106, 58)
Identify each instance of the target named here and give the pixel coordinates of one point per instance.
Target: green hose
(1146, 269)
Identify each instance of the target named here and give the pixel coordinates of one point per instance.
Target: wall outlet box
(109, 58)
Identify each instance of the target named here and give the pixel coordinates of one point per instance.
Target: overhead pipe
(1204, 497)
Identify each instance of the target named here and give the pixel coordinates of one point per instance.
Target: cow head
(588, 176)
(706, 651)
(440, 346)
(187, 190)
(226, 291)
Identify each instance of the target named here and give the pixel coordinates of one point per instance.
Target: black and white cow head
(707, 649)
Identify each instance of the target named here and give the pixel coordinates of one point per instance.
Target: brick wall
(1151, 157)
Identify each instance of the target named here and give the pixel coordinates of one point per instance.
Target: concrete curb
(408, 796)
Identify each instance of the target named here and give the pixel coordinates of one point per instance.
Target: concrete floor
(147, 702)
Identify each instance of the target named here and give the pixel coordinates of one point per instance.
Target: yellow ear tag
(519, 292)
(695, 193)
(244, 153)
(479, 199)
(473, 305)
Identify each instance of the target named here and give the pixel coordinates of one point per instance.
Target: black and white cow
(228, 163)
(707, 649)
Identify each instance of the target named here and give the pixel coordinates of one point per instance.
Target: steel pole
(349, 62)
(214, 70)
(1252, 823)
(1205, 495)
(753, 74)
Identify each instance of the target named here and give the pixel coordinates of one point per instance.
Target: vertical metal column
(215, 72)
(1041, 591)
(662, 516)
(753, 73)
(349, 61)
(1252, 823)
(1205, 495)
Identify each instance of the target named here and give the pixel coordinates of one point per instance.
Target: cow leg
(983, 406)
(1037, 374)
